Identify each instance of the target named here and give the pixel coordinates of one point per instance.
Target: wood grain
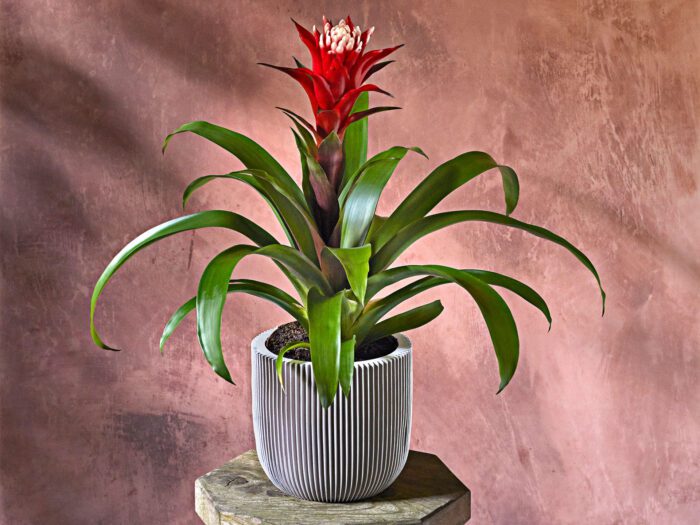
(239, 492)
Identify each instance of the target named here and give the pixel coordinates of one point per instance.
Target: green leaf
(298, 265)
(355, 140)
(442, 181)
(361, 203)
(255, 288)
(405, 321)
(499, 320)
(205, 219)
(245, 176)
(211, 296)
(251, 154)
(297, 217)
(347, 365)
(517, 287)
(511, 187)
(377, 222)
(324, 338)
(408, 235)
(308, 191)
(213, 288)
(350, 312)
(355, 261)
(384, 159)
(279, 362)
(296, 222)
(394, 275)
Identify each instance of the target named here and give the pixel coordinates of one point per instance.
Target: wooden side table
(240, 493)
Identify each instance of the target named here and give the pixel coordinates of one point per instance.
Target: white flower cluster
(340, 38)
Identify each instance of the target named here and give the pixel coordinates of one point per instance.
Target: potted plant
(332, 391)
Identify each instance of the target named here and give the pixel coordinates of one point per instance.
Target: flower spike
(340, 66)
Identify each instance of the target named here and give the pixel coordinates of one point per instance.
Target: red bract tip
(340, 66)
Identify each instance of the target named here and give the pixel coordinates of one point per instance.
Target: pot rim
(405, 346)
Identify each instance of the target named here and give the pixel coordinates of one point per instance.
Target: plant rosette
(332, 397)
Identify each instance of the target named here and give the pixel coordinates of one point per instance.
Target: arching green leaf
(361, 202)
(205, 219)
(395, 275)
(213, 288)
(279, 362)
(405, 321)
(251, 287)
(295, 219)
(251, 154)
(410, 234)
(494, 309)
(442, 181)
(211, 296)
(246, 177)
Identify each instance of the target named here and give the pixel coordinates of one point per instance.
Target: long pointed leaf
(246, 177)
(298, 264)
(307, 189)
(442, 181)
(361, 203)
(383, 160)
(324, 338)
(213, 288)
(295, 219)
(211, 296)
(497, 315)
(205, 219)
(355, 139)
(405, 321)
(255, 288)
(305, 129)
(251, 154)
(394, 275)
(407, 236)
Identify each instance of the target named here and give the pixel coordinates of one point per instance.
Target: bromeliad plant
(340, 250)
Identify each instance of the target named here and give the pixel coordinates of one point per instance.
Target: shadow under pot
(352, 450)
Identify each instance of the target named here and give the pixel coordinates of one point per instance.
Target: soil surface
(295, 333)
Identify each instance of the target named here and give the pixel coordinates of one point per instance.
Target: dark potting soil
(295, 333)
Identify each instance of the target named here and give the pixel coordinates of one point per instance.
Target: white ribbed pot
(353, 450)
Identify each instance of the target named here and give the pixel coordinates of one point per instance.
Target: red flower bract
(340, 68)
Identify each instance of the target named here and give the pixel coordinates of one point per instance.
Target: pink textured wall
(595, 103)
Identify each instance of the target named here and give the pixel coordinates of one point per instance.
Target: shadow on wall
(64, 137)
(200, 46)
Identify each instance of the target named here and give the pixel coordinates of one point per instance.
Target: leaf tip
(419, 150)
(602, 293)
(165, 143)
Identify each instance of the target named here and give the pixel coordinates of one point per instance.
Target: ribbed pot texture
(353, 450)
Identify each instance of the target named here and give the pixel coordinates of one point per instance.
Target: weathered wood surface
(240, 493)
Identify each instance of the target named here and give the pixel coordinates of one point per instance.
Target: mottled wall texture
(595, 103)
